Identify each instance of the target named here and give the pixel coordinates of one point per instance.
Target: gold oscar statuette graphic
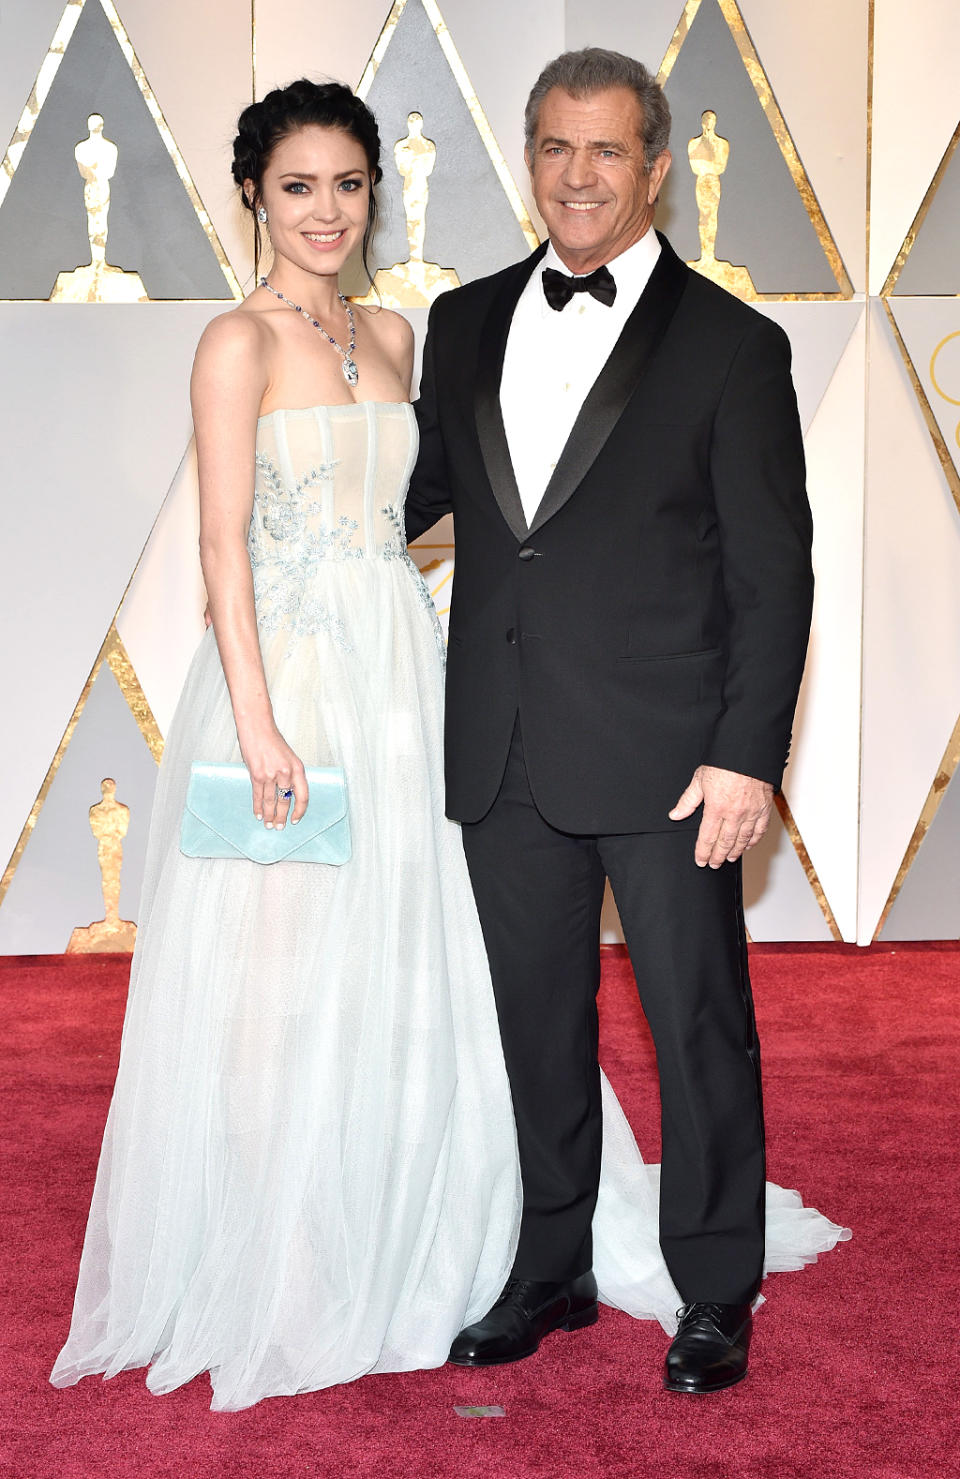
(97, 282)
(109, 821)
(414, 283)
(709, 155)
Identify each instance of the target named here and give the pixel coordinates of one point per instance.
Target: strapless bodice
(331, 481)
(329, 491)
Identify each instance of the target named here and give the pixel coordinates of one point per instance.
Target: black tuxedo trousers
(652, 617)
(539, 892)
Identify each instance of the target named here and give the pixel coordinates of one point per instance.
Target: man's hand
(736, 811)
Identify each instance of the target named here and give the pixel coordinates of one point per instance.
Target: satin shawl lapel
(616, 382)
(493, 438)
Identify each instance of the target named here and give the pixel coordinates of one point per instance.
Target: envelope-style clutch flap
(218, 819)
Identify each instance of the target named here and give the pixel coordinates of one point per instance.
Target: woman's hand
(274, 767)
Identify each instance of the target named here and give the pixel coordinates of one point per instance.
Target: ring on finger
(285, 793)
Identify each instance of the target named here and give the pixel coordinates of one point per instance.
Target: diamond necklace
(350, 372)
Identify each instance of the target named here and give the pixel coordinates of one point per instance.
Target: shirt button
(567, 386)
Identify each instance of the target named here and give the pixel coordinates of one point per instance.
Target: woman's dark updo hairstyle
(288, 109)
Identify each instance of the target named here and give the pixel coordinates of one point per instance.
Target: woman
(309, 1170)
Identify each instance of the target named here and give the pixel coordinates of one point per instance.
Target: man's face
(589, 181)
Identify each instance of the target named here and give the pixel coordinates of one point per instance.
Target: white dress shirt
(552, 359)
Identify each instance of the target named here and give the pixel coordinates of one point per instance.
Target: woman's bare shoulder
(233, 353)
(234, 334)
(392, 329)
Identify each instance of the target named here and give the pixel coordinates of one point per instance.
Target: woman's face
(316, 188)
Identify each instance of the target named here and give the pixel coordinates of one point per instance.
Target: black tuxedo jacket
(654, 616)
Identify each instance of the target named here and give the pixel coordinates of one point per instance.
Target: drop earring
(262, 215)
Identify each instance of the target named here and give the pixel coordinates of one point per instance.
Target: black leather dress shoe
(526, 1311)
(710, 1348)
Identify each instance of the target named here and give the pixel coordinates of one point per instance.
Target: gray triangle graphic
(933, 264)
(470, 223)
(762, 222)
(57, 883)
(153, 228)
(928, 904)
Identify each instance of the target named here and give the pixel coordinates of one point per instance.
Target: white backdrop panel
(778, 902)
(94, 415)
(821, 781)
(916, 105)
(161, 619)
(301, 38)
(911, 657)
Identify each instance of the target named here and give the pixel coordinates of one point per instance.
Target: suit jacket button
(526, 553)
(512, 637)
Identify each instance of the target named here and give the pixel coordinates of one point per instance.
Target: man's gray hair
(580, 73)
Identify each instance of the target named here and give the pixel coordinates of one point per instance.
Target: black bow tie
(558, 288)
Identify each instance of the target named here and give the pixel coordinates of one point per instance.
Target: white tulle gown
(309, 1168)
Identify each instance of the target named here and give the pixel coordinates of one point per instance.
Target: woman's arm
(226, 390)
(428, 497)
(394, 339)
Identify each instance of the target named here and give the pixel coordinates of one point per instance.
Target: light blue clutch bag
(218, 819)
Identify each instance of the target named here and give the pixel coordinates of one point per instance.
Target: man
(618, 440)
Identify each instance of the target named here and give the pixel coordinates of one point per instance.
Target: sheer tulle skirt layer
(627, 1259)
(309, 1167)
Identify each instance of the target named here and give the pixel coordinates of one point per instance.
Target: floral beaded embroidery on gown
(309, 1168)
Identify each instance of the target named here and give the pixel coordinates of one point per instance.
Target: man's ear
(658, 173)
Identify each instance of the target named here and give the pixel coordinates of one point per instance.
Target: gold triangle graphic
(468, 94)
(115, 655)
(945, 773)
(758, 79)
(41, 89)
(920, 217)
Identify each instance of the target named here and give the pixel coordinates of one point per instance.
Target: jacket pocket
(670, 656)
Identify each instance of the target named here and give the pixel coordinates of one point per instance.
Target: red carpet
(854, 1370)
